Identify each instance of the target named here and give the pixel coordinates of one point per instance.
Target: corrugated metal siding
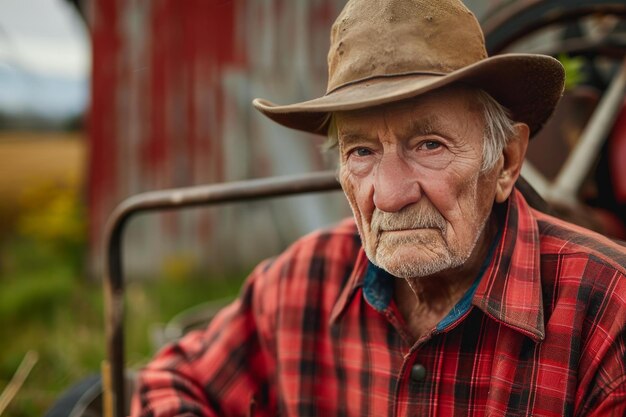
(172, 85)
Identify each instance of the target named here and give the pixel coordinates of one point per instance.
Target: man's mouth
(410, 229)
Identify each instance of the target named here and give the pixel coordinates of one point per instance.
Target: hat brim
(528, 85)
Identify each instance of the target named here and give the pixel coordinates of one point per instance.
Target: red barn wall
(171, 91)
(172, 85)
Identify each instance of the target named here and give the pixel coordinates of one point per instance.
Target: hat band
(373, 77)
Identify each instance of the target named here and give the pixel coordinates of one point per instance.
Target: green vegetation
(574, 70)
(48, 306)
(45, 308)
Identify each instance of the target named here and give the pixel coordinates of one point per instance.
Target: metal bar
(611, 47)
(168, 200)
(584, 154)
(536, 178)
(113, 380)
(512, 22)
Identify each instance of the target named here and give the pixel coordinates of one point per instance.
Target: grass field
(27, 158)
(47, 306)
(31, 160)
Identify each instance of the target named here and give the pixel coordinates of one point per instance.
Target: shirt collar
(510, 288)
(353, 283)
(510, 291)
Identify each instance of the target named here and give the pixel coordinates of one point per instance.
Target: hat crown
(374, 38)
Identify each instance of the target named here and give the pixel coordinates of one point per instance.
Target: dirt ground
(27, 158)
(35, 159)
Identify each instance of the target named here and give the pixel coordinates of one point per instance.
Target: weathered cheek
(466, 164)
(476, 200)
(447, 192)
(455, 196)
(356, 192)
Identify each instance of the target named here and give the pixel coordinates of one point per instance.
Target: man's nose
(395, 186)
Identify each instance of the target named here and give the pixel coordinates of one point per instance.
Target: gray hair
(499, 129)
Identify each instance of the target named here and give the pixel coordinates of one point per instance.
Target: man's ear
(513, 155)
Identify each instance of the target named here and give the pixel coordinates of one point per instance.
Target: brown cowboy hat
(384, 51)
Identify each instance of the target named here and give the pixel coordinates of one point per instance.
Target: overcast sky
(46, 37)
(44, 58)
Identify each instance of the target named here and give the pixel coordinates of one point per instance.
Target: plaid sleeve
(222, 371)
(605, 352)
(613, 404)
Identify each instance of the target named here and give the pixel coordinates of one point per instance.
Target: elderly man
(446, 294)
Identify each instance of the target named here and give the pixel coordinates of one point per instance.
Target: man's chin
(405, 264)
(413, 270)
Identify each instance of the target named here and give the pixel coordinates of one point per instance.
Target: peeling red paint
(102, 169)
(172, 83)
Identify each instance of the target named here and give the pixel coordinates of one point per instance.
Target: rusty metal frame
(504, 26)
(113, 368)
(529, 16)
(113, 378)
(513, 21)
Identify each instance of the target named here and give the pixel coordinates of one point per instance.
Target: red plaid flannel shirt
(316, 332)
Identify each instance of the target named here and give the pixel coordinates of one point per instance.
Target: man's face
(412, 174)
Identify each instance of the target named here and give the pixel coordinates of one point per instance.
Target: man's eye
(430, 145)
(361, 152)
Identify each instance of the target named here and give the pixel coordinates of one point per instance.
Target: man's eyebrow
(351, 136)
(421, 126)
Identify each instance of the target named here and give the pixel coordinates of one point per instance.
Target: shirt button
(418, 372)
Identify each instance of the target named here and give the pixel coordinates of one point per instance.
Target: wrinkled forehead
(456, 105)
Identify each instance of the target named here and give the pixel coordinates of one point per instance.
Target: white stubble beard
(439, 255)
